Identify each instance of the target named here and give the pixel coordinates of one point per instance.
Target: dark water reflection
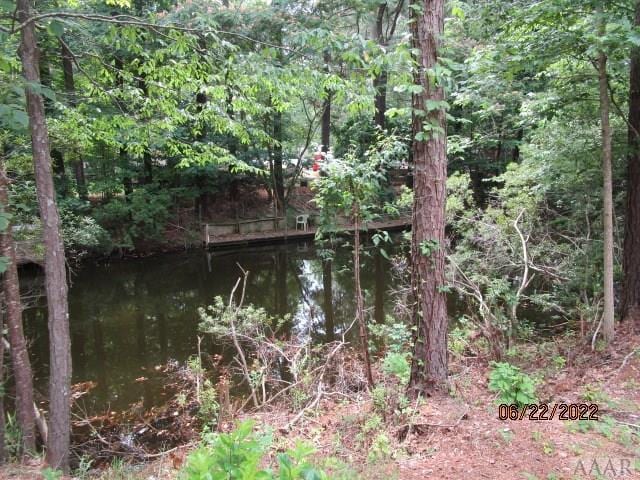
(129, 317)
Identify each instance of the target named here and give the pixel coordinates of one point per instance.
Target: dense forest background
(162, 115)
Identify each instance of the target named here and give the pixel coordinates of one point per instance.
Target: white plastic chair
(303, 221)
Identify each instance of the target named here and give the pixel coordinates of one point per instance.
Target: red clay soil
(460, 436)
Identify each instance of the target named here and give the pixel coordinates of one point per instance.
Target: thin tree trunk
(429, 367)
(362, 323)
(631, 292)
(55, 271)
(380, 87)
(607, 201)
(19, 355)
(70, 89)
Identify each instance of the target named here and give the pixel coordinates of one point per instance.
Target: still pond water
(129, 317)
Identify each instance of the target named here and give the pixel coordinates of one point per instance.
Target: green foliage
(512, 385)
(207, 396)
(394, 335)
(80, 231)
(353, 188)
(429, 247)
(51, 474)
(397, 364)
(380, 449)
(84, 467)
(12, 436)
(217, 319)
(389, 395)
(458, 338)
(142, 216)
(209, 406)
(240, 455)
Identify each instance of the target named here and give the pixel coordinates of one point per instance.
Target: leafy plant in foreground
(240, 455)
(512, 385)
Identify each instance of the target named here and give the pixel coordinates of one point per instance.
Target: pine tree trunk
(19, 354)
(429, 368)
(55, 271)
(3, 449)
(631, 293)
(607, 200)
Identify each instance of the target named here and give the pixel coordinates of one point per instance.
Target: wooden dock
(277, 236)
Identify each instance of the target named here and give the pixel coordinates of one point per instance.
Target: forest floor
(459, 435)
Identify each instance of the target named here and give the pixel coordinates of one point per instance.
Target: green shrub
(512, 385)
(397, 364)
(209, 406)
(240, 455)
(142, 216)
(381, 449)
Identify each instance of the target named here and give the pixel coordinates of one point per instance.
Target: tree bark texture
(429, 367)
(607, 200)
(54, 260)
(19, 355)
(3, 449)
(631, 292)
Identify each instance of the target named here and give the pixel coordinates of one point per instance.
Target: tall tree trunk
(429, 367)
(380, 87)
(607, 200)
(70, 89)
(54, 261)
(3, 449)
(19, 354)
(631, 292)
(362, 321)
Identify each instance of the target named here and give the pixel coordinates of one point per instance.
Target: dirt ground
(459, 436)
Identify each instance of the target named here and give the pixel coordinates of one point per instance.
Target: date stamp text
(542, 411)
